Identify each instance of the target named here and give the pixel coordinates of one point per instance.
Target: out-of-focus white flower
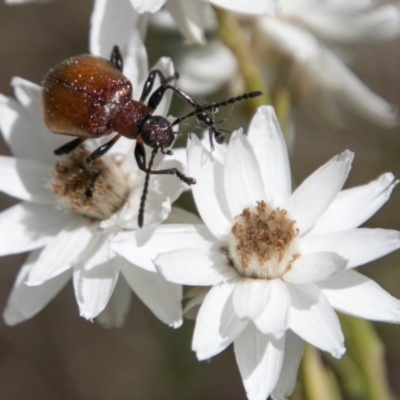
(344, 21)
(67, 233)
(278, 263)
(189, 15)
(295, 52)
(205, 69)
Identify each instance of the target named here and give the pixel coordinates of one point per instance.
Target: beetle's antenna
(206, 107)
(146, 188)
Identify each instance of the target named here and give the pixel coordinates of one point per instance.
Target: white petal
(250, 297)
(220, 150)
(315, 267)
(200, 71)
(157, 209)
(217, 325)
(375, 24)
(195, 267)
(151, 6)
(41, 143)
(313, 319)
(26, 180)
(258, 7)
(105, 32)
(265, 137)
(260, 359)
(356, 96)
(209, 189)
(30, 226)
(24, 131)
(94, 283)
(162, 297)
(242, 175)
(294, 347)
(352, 207)
(24, 302)
(274, 318)
(135, 64)
(142, 247)
(29, 95)
(357, 246)
(62, 252)
(188, 15)
(312, 198)
(114, 315)
(169, 185)
(355, 294)
(331, 83)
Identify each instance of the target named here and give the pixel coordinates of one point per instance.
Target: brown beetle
(89, 97)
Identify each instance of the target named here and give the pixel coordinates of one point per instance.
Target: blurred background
(57, 354)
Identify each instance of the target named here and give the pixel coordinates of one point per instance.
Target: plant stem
(232, 36)
(366, 349)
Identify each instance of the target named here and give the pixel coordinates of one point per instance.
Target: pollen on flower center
(262, 242)
(71, 179)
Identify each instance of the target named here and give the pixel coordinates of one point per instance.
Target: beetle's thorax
(131, 116)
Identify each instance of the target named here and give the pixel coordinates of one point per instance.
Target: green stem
(349, 375)
(232, 36)
(366, 349)
(318, 382)
(281, 102)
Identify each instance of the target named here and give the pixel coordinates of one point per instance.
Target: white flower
(189, 16)
(299, 33)
(67, 233)
(278, 263)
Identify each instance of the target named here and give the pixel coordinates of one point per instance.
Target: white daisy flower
(302, 32)
(68, 233)
(278, 263)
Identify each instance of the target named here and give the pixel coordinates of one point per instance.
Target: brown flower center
(71, 179)
(262, 243)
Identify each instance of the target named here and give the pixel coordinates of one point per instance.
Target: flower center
(71, 179)
(262, 243)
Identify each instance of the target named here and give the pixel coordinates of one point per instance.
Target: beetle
(88, 97)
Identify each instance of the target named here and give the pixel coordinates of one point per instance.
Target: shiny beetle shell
(82, 96)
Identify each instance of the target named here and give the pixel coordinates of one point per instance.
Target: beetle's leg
(175, 171)
(140, 156)
(94, 156)
(148, 85)
(158, 94)
(116, 58)
(68, 147)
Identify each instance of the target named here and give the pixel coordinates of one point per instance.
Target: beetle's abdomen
(82, 95)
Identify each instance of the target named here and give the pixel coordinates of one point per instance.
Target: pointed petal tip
(176, 324)
(203, 355)
(88, 315)
(346, 155)
(338, 352)
(12, 318)
(34, 282)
